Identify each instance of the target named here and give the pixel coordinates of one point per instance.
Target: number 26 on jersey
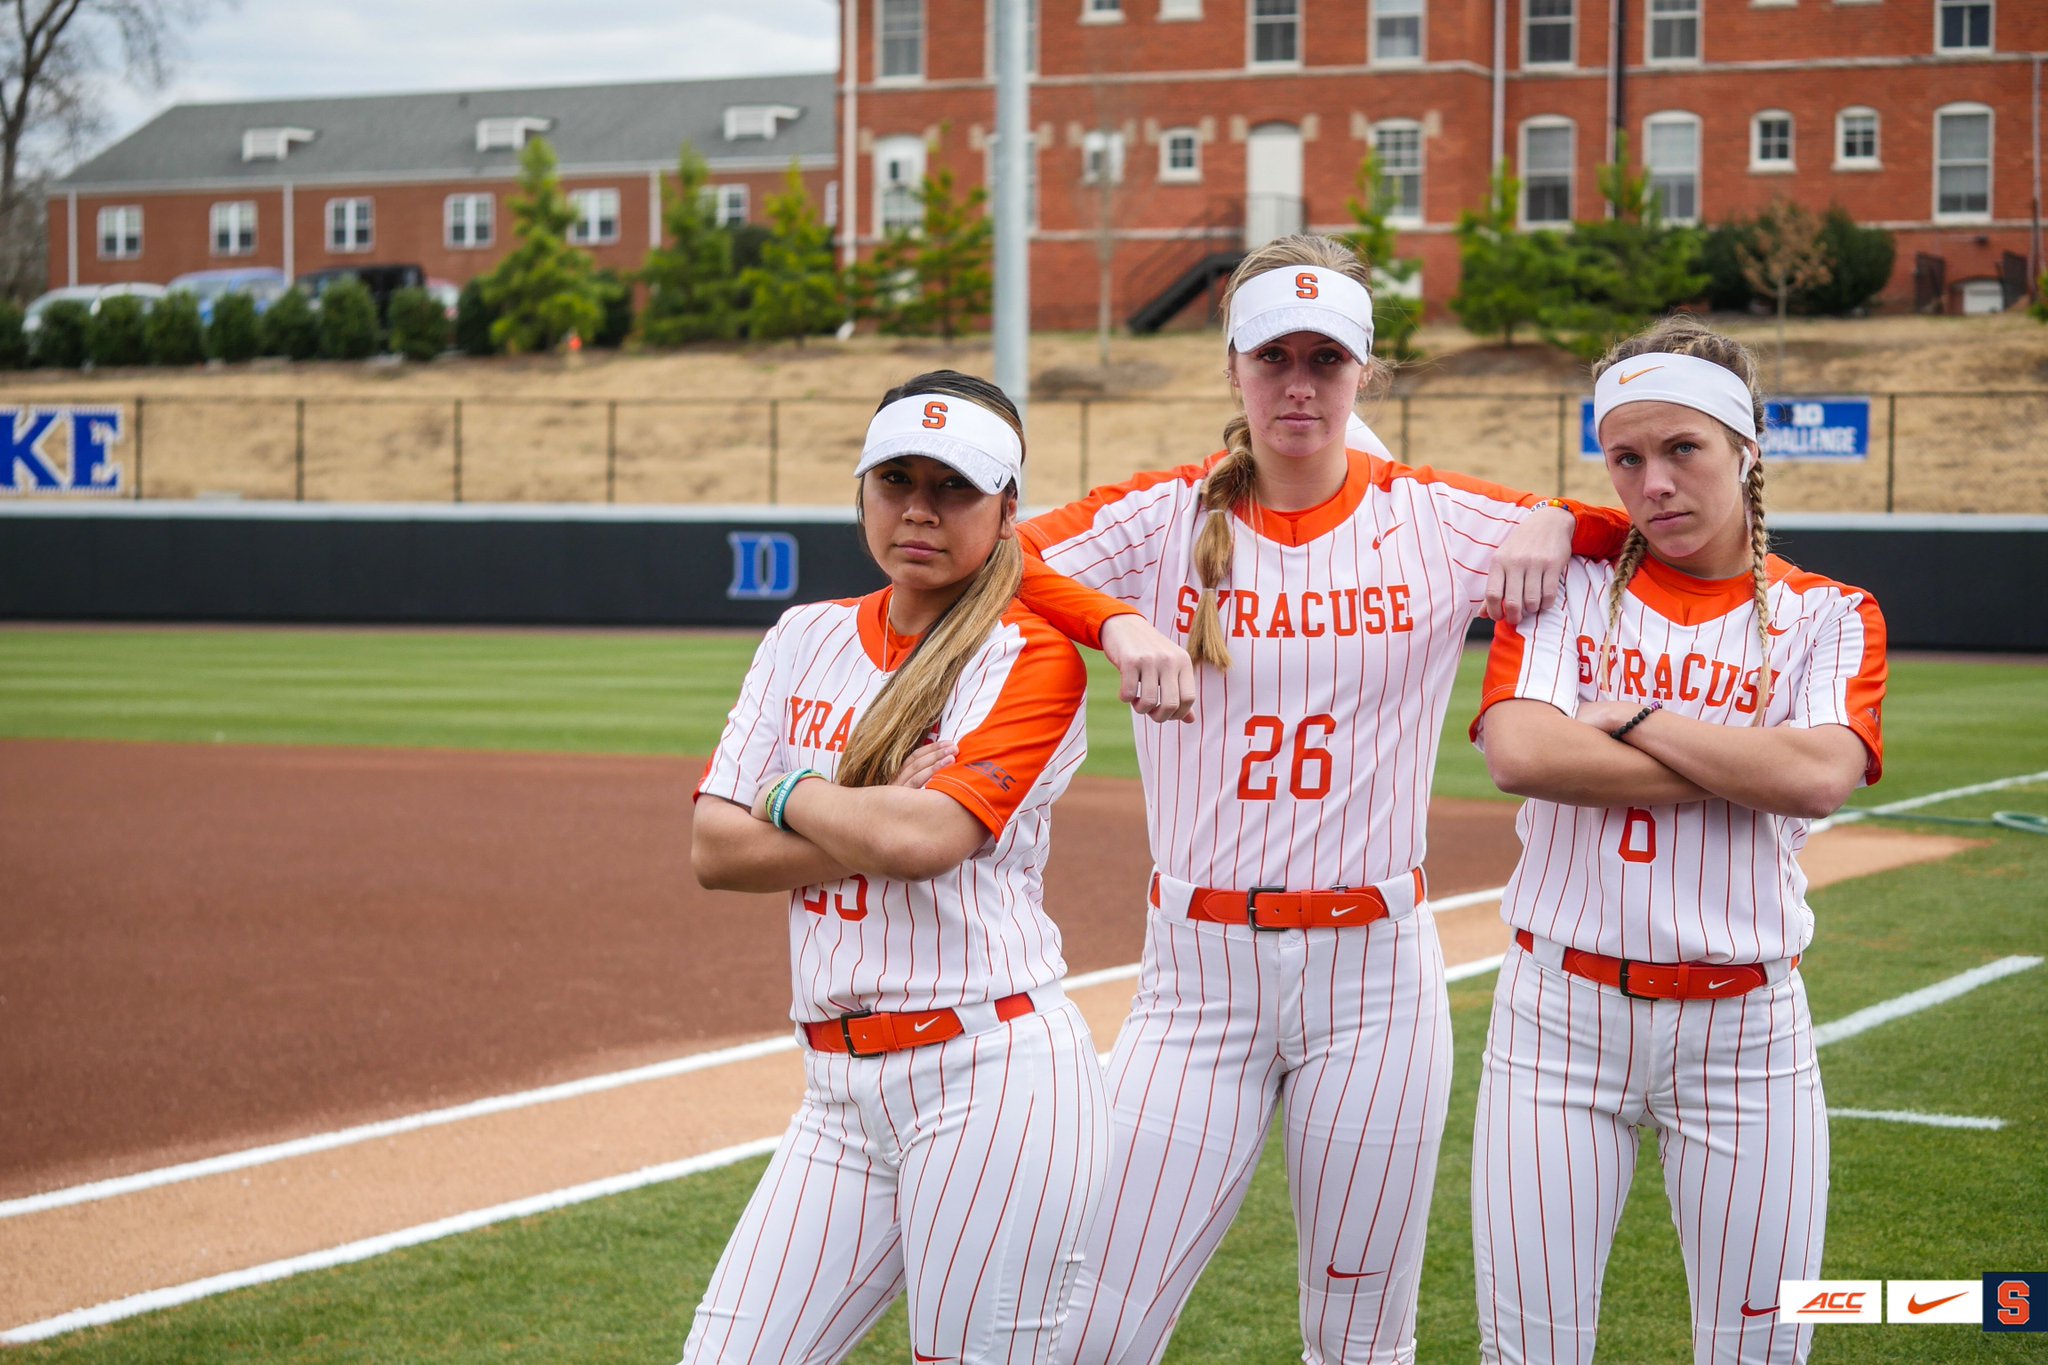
(1299, 753)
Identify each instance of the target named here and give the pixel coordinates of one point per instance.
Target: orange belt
(1660, 981)
(1274, 907)
(868, 1035)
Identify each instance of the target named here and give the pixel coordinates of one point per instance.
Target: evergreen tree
(348, 320)
(545, 289)
(1625, 269)
(936, 280)
(796, 288)
(689, 283)
(290, 327)
(236, 331)
(1506, 278)
(174, 332)
(1394, 318)
(473, 318)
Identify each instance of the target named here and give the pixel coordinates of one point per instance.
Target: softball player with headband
(1659, 907)
(952, 1136)
(1288, 954)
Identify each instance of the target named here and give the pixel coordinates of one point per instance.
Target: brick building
(1188, 127)
(424, 179)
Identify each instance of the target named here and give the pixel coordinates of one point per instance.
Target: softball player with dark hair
(891, 766)
(1659, 909)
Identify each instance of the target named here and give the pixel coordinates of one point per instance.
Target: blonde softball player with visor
(1290, 960)
(1677, 720)
(891, 766)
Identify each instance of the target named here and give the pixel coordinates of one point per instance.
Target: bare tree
(53, 55)
(1786, 255)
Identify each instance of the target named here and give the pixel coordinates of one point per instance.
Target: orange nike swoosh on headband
(1639, 373)
(1913, 1305)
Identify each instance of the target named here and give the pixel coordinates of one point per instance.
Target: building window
(233, 228)
(1030, 37)
(121, 233)
(1276, 33)
(757, 120)
(348, 225)
(1672, 155)
(1962, 161)
(1102, 157)
(1855, 139)
(467, 219)
(1546, 172)
(1102, 11)
(1180, 155)
(597, 217)
(1674, 30)
(1397, 30)
(1398, 144)
(899, 39)
(1548, 33)
(1030, 177)
(1770, 141)
(899, 173)
(508, 134)
(1962, 26)
(1180, 9)
(729, 205)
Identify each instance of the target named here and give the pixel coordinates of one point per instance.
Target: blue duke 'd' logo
(763, 566)
(28, 464)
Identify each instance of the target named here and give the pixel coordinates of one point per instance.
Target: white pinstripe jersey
(979, 932)
(1707, 881)
(1310, 760)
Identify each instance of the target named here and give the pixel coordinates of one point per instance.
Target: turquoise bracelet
(778, 795)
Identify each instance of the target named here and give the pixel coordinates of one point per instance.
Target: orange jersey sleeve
(1008, 743)
(1077, 612)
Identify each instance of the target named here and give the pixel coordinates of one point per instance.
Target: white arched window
(1962, 162)
(1671, 154)
(1546, 161)
(1770, 141)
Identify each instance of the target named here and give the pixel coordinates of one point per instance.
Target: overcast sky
(262, 49)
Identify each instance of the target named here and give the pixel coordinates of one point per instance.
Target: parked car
(383, 281)
(89, 295)
(264, 284)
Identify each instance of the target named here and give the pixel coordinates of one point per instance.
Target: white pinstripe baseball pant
(1349, 1030)
(1573, 1069)
(966, 1172)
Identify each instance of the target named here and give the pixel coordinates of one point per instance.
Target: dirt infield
(214, 948)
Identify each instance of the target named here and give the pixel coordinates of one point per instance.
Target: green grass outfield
(615, 1280)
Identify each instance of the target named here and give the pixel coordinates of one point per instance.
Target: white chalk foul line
(1850, 817)
(1848, 1026)
(1913, 1116)
(115, 1310)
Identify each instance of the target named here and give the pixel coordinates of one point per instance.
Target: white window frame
(1253, 19)
(1179, 11)
(508, 133)
(1545, 123)
(883, 76)
(1418, 10)
(1031, 37)
(1941, 11)
(730, 205)
(1031, 177)
(220, 221)
(1759, 164)
(479, 229)
(1571, 26)
(589, 227)
(747, 121)
(1960, 109)
(1402, 217)
(1845, 162)
(271, 144)
(125, 232)
(911, 152)
(1102, 11)
(1676, 117)
(1170, 174)
(348, 218)
(1697, 18)
(1098, 145)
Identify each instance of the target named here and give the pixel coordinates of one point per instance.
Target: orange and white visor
(1302, 298)
(1687, 380)
(957, 432)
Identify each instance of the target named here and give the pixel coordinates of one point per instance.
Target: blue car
(261, 283)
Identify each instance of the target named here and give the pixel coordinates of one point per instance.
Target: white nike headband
(955, 431)
(1302, 298)
(1687, 380)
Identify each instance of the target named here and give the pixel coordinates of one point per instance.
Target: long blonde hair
(1233, 481)
(1684, 335)
(899, 717)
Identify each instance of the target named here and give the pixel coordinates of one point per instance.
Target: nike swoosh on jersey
(1384, 534)
(1749, 1312)
(1913, 1305)
(1777, 630)
(920, 1355)
(1336, 1274)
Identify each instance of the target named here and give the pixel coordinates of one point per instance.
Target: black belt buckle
(1251, 910)
(846, 1032)
(1623, 984)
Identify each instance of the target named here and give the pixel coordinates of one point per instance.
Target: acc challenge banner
(1831, 427)
(59, 449)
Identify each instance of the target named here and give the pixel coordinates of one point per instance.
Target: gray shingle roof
(370, 137)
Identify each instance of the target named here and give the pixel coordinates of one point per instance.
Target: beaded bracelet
(778, 795)
(1638, 718)
(1559, 503)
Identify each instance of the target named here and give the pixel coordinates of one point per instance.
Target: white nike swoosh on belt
(1717, 985)
(920, 1028)
(1345, 911)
